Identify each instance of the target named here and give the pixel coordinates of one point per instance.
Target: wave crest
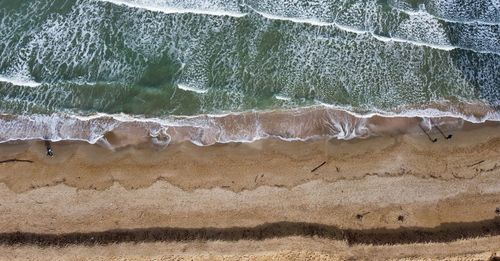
(297, 124)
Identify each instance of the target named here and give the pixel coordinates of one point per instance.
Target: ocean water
(158, 60)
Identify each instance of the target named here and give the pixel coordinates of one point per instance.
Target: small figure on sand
(449, 136)
(428, 135)
(50, 153)
(431, 125)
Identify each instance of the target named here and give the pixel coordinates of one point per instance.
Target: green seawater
(175, 57)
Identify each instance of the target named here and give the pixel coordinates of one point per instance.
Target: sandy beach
(394, 196)
(250, 130)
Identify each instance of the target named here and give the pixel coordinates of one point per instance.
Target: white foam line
(175, 10)
(292, 19)
(433, 46)
(282, 98)
(400, 40)
(120, 118)
(468, 22)
(423, 113)
(315, 22)
(357, 31)
(191, 89)
(308, 21)
(19, 81)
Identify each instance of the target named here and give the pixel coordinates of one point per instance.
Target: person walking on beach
(50, 152)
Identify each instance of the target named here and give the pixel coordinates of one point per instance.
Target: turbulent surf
(219, 71)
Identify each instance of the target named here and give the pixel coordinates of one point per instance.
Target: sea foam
(205, 7)
(303, 124)
(191, 89)
(19, 81)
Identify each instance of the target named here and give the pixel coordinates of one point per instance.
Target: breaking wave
(290, 125)
(206, 7)
(422, 28)
(19, 81)
(265, 61)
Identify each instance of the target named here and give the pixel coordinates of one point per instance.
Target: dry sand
(396, 196)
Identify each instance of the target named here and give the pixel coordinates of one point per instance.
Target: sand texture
(396, 196)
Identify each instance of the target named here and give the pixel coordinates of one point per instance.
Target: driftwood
(477, 163)
(319, 166)
(16, 160)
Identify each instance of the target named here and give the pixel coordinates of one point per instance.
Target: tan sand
(397, 196)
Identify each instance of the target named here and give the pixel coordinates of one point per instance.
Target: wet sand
(393, 196)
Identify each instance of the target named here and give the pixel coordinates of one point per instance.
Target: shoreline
(298, 124)
(185, 160)
(212, 199)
